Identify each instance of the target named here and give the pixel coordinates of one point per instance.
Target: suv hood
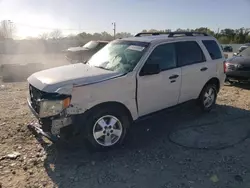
(76, 49)
(51, 80)
(239, 59)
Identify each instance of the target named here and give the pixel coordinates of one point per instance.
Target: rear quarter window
(213, 49)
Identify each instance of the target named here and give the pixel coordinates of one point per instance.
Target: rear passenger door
(195, 72)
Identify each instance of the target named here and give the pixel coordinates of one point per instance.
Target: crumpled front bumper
(55, 124)
(36, 129)
(32, 109)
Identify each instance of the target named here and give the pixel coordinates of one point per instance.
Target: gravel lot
(180, 148)
(148, 158)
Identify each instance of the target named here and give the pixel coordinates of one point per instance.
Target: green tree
(225, 36)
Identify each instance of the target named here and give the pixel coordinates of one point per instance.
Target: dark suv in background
(83, 53)
(238, 67)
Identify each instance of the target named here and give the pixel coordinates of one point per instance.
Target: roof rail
(171, 34)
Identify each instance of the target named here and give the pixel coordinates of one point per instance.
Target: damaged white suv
(126, 80)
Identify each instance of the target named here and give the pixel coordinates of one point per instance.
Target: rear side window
(189, 52)
(213, 49)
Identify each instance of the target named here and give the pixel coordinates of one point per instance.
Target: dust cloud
(18, 65)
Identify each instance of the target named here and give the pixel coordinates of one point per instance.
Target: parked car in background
(238, 67)
(128, 79)
(83, 53)
(242, 48)
(228, 49)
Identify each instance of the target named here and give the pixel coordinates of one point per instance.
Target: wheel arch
(214, 81)
(111, 104)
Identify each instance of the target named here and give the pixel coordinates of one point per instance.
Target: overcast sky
(33, 17)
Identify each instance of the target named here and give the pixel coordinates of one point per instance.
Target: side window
(213, 49)
(189, 52)
(164, 55)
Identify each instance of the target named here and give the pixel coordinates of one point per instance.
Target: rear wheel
(106, 128)
(207, 98)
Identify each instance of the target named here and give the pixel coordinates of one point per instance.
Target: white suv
(126, 80)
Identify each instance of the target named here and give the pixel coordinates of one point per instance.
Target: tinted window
(213, 49)
(189, 52)
(164, 55)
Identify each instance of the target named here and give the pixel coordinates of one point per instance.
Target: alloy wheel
(107, 130)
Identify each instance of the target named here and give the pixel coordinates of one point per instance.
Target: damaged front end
(50, 110)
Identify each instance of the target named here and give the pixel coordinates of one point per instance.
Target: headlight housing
(52, 107)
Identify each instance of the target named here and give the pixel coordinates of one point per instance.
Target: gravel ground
(152, 156)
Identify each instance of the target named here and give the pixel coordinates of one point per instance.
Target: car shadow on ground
(155, 154)
(239, 85)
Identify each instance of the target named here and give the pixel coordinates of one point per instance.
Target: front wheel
(107, 128)
(207, 98)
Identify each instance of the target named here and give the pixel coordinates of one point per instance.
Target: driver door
(158, 91)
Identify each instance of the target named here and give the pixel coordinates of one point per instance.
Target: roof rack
(171, 34)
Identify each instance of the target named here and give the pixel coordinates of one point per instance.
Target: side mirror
(235, 54)
(150, 69)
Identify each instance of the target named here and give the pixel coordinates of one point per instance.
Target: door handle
(203, 68)
(173, 76)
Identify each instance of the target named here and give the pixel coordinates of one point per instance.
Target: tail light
(225, 66)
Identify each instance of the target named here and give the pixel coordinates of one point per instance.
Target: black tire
(95, 115)
(201, 98)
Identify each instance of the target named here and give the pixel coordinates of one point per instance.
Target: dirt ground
(180, 148)
(152, 156)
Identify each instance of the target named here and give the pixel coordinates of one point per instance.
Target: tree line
(224, 36)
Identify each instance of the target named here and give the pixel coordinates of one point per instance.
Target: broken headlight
(52, 107)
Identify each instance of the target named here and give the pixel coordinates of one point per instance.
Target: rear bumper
(238, 75)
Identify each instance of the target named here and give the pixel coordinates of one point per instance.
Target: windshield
(245, 52)
(120, 56)
(91, 44)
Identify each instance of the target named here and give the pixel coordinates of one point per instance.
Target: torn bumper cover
(36, 129)
(50, 129)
